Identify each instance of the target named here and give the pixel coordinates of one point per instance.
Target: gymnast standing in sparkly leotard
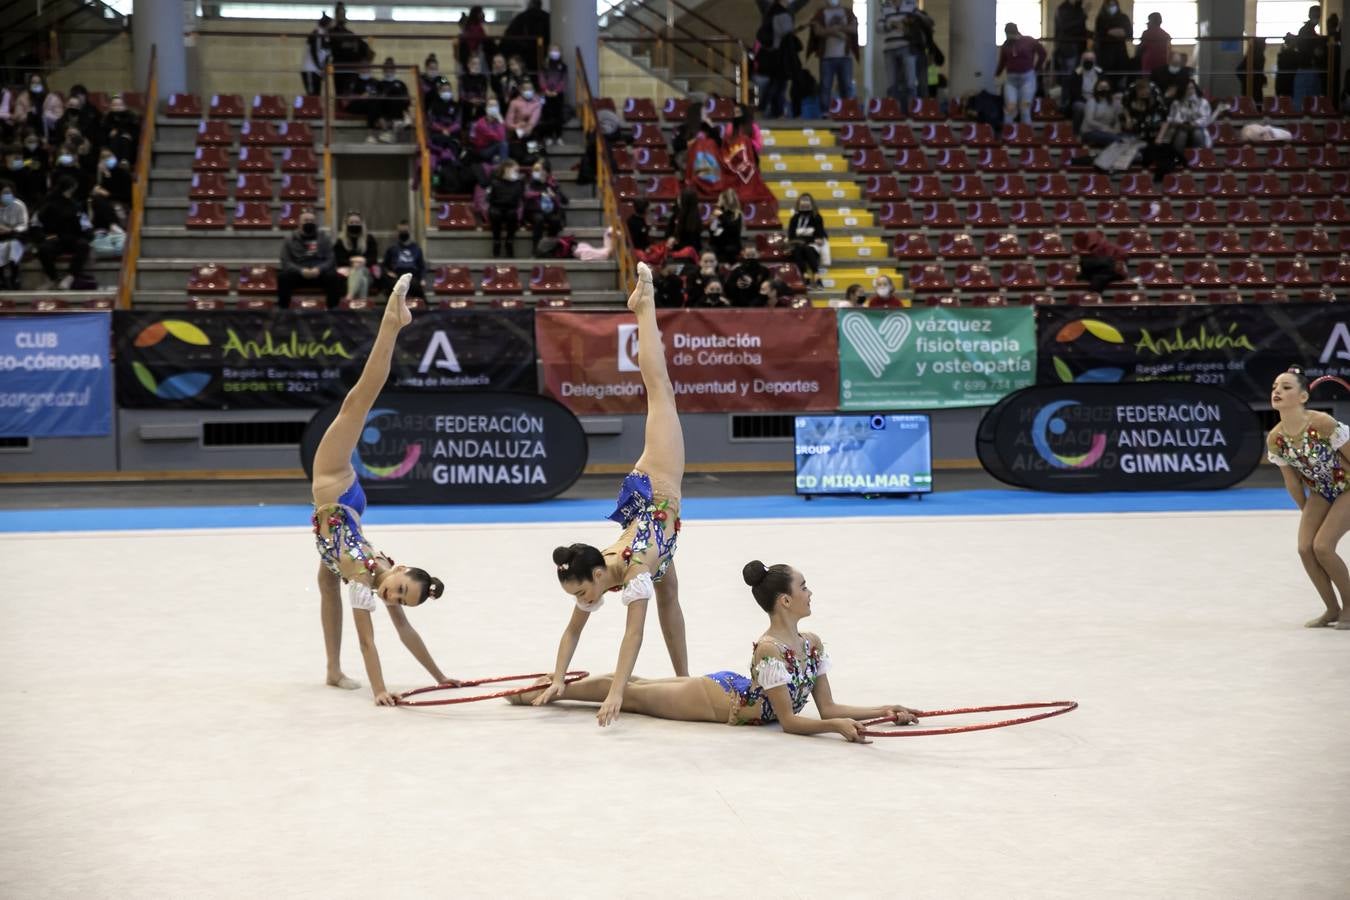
(345, 554)
(1310, 449)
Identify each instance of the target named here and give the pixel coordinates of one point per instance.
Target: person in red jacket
(488, 135)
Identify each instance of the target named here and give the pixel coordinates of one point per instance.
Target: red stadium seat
(508, 303)
(1063, 275)
(261, 133)
(856, 136)
(1223, 134)
(298, 187)
(844, 109)
(1137, 242)
(911, 245)
(1060, 134)
(226, 106)
(995, 159)
(308, 304)
(183, 106)
(501, 280)
(1219, 298)
(869, 161)
(1027, 213)
(1245, 212)
(1202, 273)
(299, 159)
(773, 246)
(1180, 242)
(937, 135)
(974, 277)
(289, 216)
(884, 109)
(1138, 184)
(675, 109)
(1327, 157)
(639, 109)
(457, 303)
(984, 215)
(1336, 131)
(208, 279)
(253, 186)
(1295, 273)
(1202, 159)
(454, 216)
(1054, 186)
(1038, 159)
(1046, 244)
(1071, 212)
(257, 304)
(1011, 187)
(1181, 186)
(1268, 242)
(549, 280)
(968, 187)
(957, 245)
(941, 215)
(1115, 212)
(1045, 109)
(49, 304)
(763, 214)
(1314, 242)
(1223, 185)
(257, 280)
(1018, 135)
(295, 134)
(1305, 134)
(1289, 212)
(623, 160)
(1175, 297)
(1156, 273)
(256, 159)
(1085, 298)
(989, 300)
(880, 188)
(1243, 108)
(648, 134)
(1020, 276)
(1095, 186)
(553, 302)
(1244, 158)
(925, 187)
(207, 214)
(926, 109)
(1331, 211)
(307, 107)
(977, 134)
(1248, 272)
(1286, 159)
(452, 280)
(251, 215)
(953, 161)
(942, 300)
(357, 304)
(720, 109)
(1158, 212)
(208, 186)
(214, 132)
(1335, 272)
(1265, 184)
(896, 215)
(898, 137)
(912, 161)
(210, 159)
(268, 106)
(625, 187)
(1303, 184)
(1202, 212)
(662, 188)
(1225, 243)
(928, 278)
(1279, 108)
(790, 275)
(1319, 107)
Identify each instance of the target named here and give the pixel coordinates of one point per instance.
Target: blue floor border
(952, 503)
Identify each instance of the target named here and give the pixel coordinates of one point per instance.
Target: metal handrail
(329, 93)
(603, 180)
(132, 251)
(423, 148)
(738, 77)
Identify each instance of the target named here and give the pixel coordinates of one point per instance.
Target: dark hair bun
(435, 589)
(754, 572)
(1295, 369)
(562, 556)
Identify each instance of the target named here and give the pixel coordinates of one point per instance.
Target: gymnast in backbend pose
(345, 553)
(640, 564)
(1310, 449)
(788, 667)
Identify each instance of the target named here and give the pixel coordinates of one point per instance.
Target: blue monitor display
(864, 454)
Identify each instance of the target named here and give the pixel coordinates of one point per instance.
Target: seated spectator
(553, 84)
(684, 231)
(806, 233)
(516, 75)
(488, 136)
(13, 229)
(443, 117)
(1103, 117)
(62, 233)
(713, 294)
(1082, 86)
(393, 104)
(696, 122)
(114, 178)
(1171, 79)
(774, 293)
(669, 284)
(853, 295)
(725, 228)
(1101, 263)
(708, 274)
(404, 257)
(307, 260)
(545, 203)
(744, 124)
(29, 172)
(1021, 57)
(354, 255)
(639, 234)
(68, 166)
(522, 120)
(363, 99)
(123, 130)
(883, 293)
(429, 79)
(1188, 119)
(109, 224)
(1145, 114)
(473, 92)
(505, 194)
(499, 80)
(743, 284)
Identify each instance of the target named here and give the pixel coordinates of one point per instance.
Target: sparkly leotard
(655, 517)
(750, 702)
(344, 540)
(1316, 459)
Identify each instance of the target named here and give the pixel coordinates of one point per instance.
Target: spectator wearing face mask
(487, 137)
(1171, 78)
(714, 295)
(742, 285)
(1020, 57)
(28, 169)
(13, 228)
(1187, 120)
(1103, 118)
(853, 295)
(1082, 86)
(1113, 33)
(404, 257)
(354, 257)
(122, 128)
(774, 294)
(806, 234)
(429, 79)
(725, 229)
(63, 232)
(699, 281)
(114, 178)
(522, 120)
(545, 203)
(443, 118)
(307, 260)
(883, 293)
(553, 85)
(505, 195)
(67, 166)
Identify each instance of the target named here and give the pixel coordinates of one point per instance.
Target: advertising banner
(420, 448)
(1121, 437)
(934, 358)
(277, 358)
(1237, 347)
(55, 376)
(750, 360)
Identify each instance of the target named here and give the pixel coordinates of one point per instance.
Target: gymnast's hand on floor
(609, 710)
(902, 715)
(554, 691)
(851, 731)
(384, 698)
(449, 682)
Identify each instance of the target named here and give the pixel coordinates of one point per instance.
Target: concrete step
(827, 189)
(172, 274)
(142, 299)
(170, 243)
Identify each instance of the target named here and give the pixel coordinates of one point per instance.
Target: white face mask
(446, 96)
(65, 159)
(494, 113)
(528, 95)
(111, 162)
(883, 290)
(555, 55)
(1174, 69)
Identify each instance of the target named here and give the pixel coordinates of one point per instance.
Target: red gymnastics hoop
(402, 700)
(1333, 378)
(1060, 707)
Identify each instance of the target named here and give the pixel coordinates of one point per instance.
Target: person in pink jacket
(522, 118)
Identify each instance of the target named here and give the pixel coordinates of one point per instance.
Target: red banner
(750, 360)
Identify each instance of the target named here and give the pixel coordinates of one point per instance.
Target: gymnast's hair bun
(562, 556)
(435, 588)
(754, 573)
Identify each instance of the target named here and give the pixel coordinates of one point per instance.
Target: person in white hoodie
(13, 226)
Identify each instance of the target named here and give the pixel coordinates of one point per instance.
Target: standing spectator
(684, 231)
(834, 35)
(697, 121)
(883, 293)
(725, 228)
(505, 195)
(908, 30)
(1155, 45)
(778, 52)
(1187, 120)
(488, 136)
(1070, 41)
(1312, 58)
(123, 129)
(1082, 86)
(1286, 66)
(528, 33)
(1333, 44)
(1020, 57)
(1103, 117)
(516, 76)
(355, 255)
(522, 122)
(1113, 36)
(347, 52)
(1256, 89)
(316, 57)
(13, 228)
(429, 79)
(1171, 79)
(742, 286)
(544, 204)
(307, 261)
(499, 80)
(639, 233)
(405, 258)
(473, 93)
(806, 234)
(553, 83)
(473, 40)
(62, 233)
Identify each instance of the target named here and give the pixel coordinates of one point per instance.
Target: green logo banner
(934, 357)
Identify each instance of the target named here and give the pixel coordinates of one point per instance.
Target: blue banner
(55, 375)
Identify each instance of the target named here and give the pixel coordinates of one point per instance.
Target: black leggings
(505, 223)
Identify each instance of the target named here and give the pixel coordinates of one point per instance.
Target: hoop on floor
(1056, 707)
(402, 699)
